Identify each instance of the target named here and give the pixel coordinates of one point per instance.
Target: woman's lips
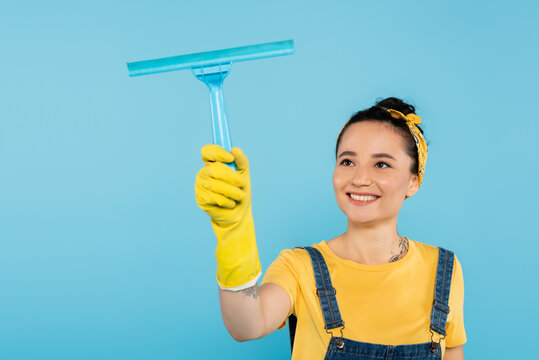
(362, 202)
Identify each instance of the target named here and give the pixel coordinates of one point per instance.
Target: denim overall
(341, 348)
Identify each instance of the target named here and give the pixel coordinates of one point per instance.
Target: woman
(369, 293)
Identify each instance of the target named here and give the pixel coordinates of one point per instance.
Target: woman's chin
(362, 220)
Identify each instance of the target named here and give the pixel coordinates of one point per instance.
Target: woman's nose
(361, 177)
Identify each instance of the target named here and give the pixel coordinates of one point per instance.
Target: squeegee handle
(221, 134)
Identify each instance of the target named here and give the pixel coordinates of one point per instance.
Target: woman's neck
(370, 245)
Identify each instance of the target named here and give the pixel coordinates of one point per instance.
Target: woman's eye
(346, 162)
(381, 162)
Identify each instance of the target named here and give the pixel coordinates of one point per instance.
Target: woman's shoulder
(297, 257)
(299, 252)
(427, 249)
(431, 252)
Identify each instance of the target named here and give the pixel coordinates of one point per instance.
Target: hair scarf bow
(421, 144)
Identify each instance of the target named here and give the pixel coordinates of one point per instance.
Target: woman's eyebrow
(375, 156)
(347, 153)
(383, 155)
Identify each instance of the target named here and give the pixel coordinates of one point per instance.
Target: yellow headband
(421, 144)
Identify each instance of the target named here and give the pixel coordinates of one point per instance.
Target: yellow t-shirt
(383, 304)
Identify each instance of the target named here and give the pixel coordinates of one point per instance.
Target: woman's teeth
(363, 198)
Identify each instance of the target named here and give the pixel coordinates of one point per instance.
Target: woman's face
(372, 175)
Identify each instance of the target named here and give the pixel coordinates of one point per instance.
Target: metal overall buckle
(445, 309)
(338, 342)
(435, 345)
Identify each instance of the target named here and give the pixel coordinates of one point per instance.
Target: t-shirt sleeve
(283, 272)
(456, 335)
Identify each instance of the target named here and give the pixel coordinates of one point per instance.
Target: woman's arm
(249, 312)
(254, 312)
(454, 353)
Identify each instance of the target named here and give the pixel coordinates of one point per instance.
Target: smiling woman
(378, 145)
(372, 167)
(368, 293)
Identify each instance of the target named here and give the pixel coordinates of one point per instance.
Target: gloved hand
(225, 195)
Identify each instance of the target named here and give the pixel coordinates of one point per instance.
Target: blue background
(104, 253)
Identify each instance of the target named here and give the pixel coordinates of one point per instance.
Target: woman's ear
(413, 186)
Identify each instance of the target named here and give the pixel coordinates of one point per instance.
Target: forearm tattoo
(252, 292)
(403, 248)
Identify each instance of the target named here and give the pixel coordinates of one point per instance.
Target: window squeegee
(211, 68)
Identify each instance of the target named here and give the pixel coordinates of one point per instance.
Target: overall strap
(440, 307)
(325, 290)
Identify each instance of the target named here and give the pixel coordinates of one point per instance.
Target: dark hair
(379, 113)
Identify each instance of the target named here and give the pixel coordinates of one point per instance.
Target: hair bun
(396, 104)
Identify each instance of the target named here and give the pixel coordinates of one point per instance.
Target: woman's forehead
(371, 137)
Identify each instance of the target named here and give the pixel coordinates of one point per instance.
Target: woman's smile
(362, 199)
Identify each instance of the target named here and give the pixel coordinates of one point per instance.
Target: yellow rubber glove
(225, 195)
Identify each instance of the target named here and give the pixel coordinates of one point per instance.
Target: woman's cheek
(337, 179)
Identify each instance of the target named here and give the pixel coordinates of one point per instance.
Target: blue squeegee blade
(208, 58)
